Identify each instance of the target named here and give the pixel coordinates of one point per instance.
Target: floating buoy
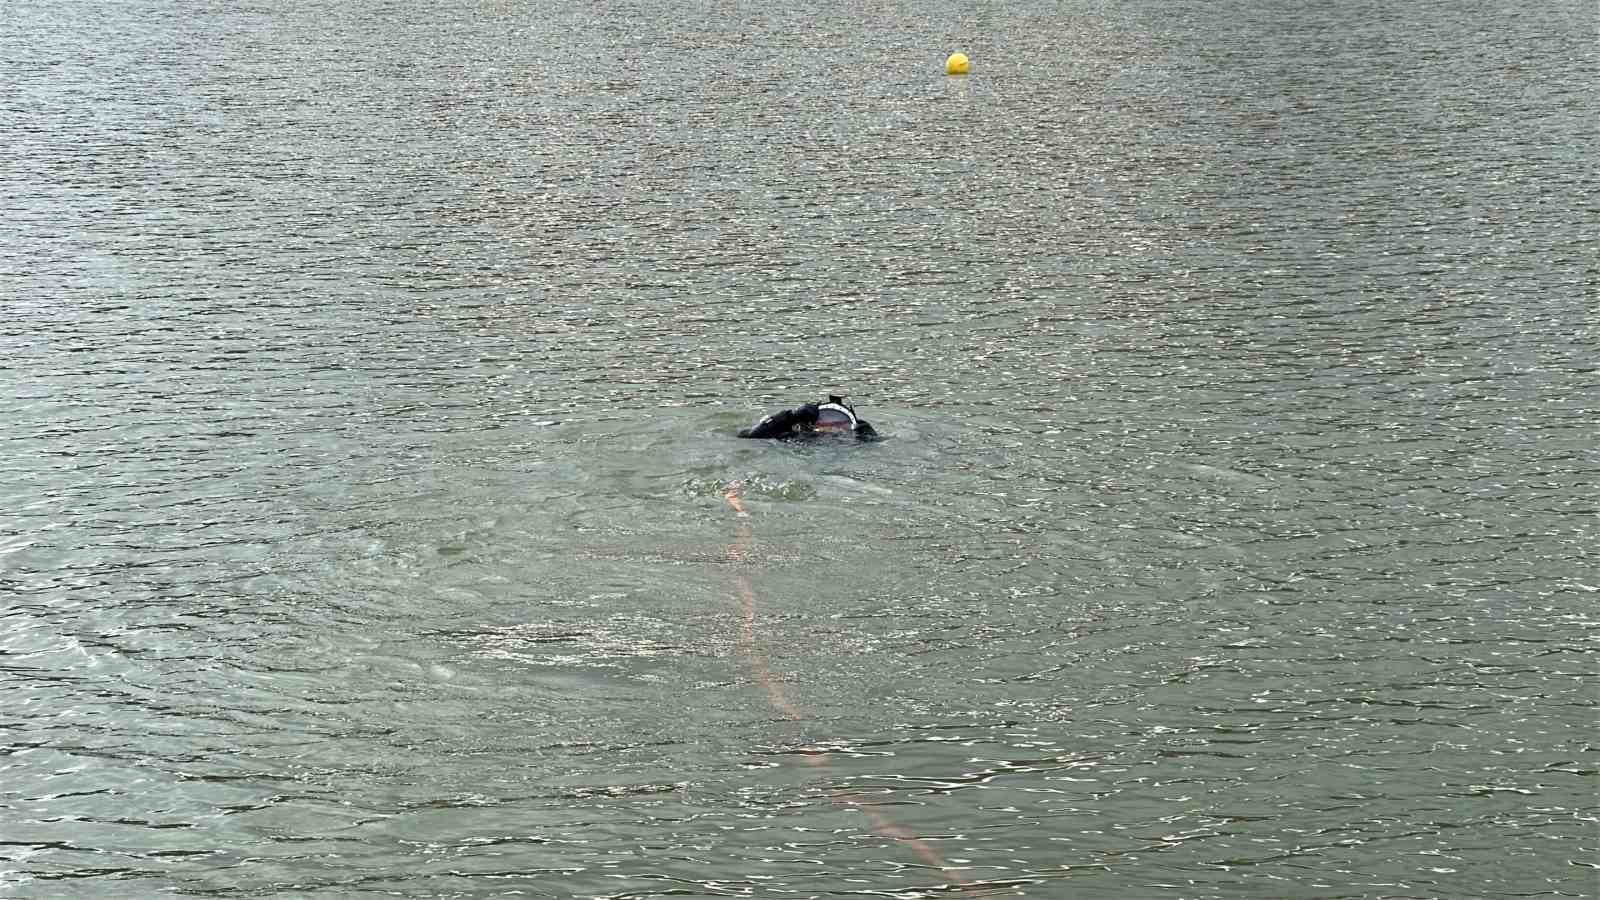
(957, 64)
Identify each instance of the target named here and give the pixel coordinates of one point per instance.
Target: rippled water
(368, 497)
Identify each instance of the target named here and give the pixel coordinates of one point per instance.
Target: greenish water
(369, 380)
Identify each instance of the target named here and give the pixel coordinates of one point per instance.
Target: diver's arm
(781, 423)
(865, 431)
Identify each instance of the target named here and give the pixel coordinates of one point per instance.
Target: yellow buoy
(957, 64)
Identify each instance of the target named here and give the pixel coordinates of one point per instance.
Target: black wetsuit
(796, 423)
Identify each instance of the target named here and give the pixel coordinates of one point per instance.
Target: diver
(833, 417)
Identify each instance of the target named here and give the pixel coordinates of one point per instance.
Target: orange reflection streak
(739, 552)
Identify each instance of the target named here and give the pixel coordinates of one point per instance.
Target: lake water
(369, 505)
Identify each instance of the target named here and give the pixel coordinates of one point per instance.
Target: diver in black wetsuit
(812, 420)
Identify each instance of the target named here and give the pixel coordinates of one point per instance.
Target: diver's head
(835, 416)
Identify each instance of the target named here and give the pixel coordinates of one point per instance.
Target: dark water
(369, 372)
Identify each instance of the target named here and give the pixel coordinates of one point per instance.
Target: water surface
(369, 376)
